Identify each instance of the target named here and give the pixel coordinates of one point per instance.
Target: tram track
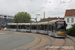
(54, 46)
(73, 46)
(40, 37)
(52, 42)
(62, 45)
(39, 43)
(34, 44)
(65, 42)
(46, 44)
(49, 44)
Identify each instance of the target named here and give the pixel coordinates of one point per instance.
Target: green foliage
(71, 31)
(22, 17)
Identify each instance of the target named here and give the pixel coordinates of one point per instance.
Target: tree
(22, 17)
(71, 31)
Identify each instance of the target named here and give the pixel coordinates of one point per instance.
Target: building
(4, 19)
(49, 19)
(70, 17)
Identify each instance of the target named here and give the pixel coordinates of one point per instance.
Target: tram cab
(60, 28)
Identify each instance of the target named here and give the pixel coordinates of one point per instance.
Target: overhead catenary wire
(69, 1)
(53, 9)
(56, 8)
(61, 2)
(40, 8)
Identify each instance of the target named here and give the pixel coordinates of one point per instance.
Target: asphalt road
(10, 41)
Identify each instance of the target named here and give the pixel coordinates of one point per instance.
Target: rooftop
(49, 19)
(70, 12)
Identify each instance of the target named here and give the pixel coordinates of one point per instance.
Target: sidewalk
(72, 38)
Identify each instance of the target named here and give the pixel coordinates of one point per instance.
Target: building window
(67, 20)
(72, 20)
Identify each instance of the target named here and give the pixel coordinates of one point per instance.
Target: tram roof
(53, 21)
(19, 23)
(43, 23)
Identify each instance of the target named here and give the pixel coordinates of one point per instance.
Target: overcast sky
(52, 8)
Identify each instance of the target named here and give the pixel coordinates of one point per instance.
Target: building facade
(4, 19)
(70, 17)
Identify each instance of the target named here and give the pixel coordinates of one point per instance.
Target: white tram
(56, 28)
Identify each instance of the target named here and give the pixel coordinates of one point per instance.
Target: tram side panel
(28, 28)
(41, 29)
(23, 28)
(51, 30)
(33, 28)
(11, 27)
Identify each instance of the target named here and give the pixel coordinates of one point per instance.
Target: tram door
(53, 29)
(50, 30)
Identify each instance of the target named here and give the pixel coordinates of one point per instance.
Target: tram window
(38, 27)
(27, 27)
(53, 27)
(19, 26)
(50, 28)
(33, 27)
(60, 26)
(13, 26)
(23, 27)
(42, 27)
(8, 26)
(45, 27)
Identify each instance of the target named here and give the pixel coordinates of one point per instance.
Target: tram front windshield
(60, 26)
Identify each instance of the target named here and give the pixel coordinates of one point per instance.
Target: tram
(56, 28)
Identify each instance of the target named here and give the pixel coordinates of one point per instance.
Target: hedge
(71, 31)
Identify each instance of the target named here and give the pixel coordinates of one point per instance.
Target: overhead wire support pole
(20, 22)
(36, 18)
(44, 16)
(37, 15)
(44, 21)
(17, 27)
